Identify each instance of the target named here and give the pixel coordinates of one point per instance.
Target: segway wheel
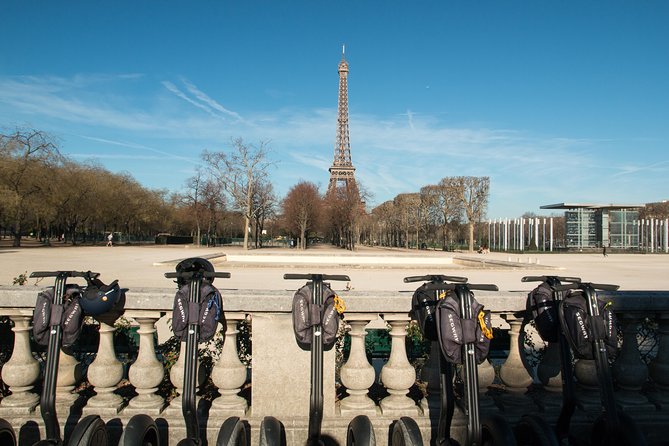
(625, 433)
(532, 430)
(406, 433)
(141, 430)
(272, 432)
(89, 431)
(7, 434)
(233, 433)
(361, 432)
(496, 431)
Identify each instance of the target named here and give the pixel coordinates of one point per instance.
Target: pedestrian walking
(110, 237)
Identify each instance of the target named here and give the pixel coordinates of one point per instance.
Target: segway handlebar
(583, 285)
(545, 278)
(205, 274)
(435, 278)
(64, 274)
(341, 277)
(453, 286)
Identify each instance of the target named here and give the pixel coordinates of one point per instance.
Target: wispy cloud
(394, 153)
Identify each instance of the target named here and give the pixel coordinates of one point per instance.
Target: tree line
(47, 195)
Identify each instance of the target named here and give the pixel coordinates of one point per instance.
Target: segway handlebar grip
(296, 276)
(604, 287)
(435, 278)
(545, 278)
(63, 273)
(483, 287)
(189, 274)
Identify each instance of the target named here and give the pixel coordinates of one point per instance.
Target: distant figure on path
(110, 237)
(604, 252)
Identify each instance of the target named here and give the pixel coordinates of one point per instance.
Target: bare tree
(302, 210)
(238, 172)
(25, 158)
(472, 193)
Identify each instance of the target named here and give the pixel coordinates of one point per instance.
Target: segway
(613, 426)
(360, 431)
(90, 430)
(7, 434)
(492, 430)
(233, 432)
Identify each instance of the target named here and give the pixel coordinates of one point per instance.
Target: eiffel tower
(342, 172)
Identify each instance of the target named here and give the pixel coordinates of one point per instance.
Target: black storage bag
(578, 327)
(423, 309)
(207, 314)
(454, 331)
(68, 315)
(542, 307)
(306, 315)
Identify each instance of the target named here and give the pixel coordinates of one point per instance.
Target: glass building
(596, 225)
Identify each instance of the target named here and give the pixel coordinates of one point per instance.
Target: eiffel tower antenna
(342, 171)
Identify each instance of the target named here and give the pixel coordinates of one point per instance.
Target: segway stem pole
(470, 371)
(316, 398)
(188, 404)
(48, 396)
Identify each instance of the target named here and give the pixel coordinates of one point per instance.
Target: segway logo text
(581, 325)
(454, 332)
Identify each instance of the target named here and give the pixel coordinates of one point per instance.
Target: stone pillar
(629, 372)
(587, 384)
(69, 375)
(486, 376)
(513, 372)
(357, 374)
(659, 368)
(21, 371)
(398, 375)
(146, 373)
(229, 374)
(549, 369)
(105, 372)
(177, 373)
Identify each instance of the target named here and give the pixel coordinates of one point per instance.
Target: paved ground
(369, 268)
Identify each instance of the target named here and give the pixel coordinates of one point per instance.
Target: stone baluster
(587, 384)
(146, 373)
(357, 374)
(21, 371)
(105, 372)
(659, 367)
(513, 373)
(69, 375)
(629, 371)
(398, 375)
(549, 369)
(177, 373)
(229, 374)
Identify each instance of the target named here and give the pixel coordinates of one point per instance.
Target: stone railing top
(280, 301)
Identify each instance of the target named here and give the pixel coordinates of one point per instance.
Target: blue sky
(555, 101)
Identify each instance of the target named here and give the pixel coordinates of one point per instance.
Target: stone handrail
(280, 369)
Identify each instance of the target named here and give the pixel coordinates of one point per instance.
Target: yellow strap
(484, 328)
(442, 294)
(339, 304)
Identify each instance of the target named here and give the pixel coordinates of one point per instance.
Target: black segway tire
(272, 432)
(141, 430)
(532, 430)
(232, 433)
(89, 431)
(406, 433)
(496, 431)
(7, 434)
(360, 432)
(625, 433)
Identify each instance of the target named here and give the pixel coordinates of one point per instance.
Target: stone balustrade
(279, 376)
